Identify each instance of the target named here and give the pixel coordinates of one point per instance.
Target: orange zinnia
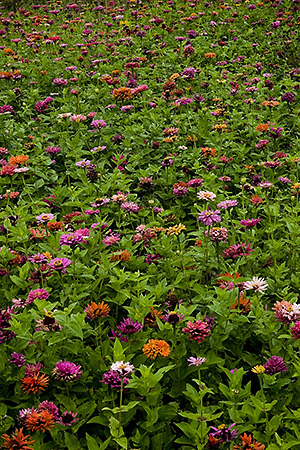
(94, 310)
(242, 304)
(39, 421)
(262, 127)
(18, 159)
(122, 93)
(122, 255)
(150, 319)
(156, 347)
(249, 444)
(35, 383)
(17, 441)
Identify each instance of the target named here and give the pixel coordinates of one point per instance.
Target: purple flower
(173, 317)
(196, 361)
(275, 365)
(227, 204)
(130, 207)
(40, 294)
(98, 124)
(67, 371)
(111, 238)
(288, 97)
(234, 251)
(50, 407)
(224, 433)
(44, 217)
(284, 180)
(153, 259)
(194, 183)
(67, 418)
(37, 258)
(59, 264)
(129, 326)
(209, 217)
(18, 359)
(113, 379)
(248, 223)
(295, 330)
(52, 150)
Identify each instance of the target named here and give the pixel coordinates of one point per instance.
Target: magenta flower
(129, 326)
(111, 238)
(67, 418)
(209, 217)
(67, 371)
(113, 379)
(59, 264)
(234, 251)
(18, 359)
(275, 365)
(197, 331)
(295, 330)
(50, 407)
(224, 433)
(248, 223)
(40, 294)
(227, 204)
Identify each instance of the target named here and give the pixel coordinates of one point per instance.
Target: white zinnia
(256, 284)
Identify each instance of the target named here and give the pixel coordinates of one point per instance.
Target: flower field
(149, 225)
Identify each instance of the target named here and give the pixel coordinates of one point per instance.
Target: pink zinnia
(59, 264)
(197, 331)
(295, 330)
(111, 238)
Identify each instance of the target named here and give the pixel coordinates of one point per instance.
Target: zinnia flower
(225, 433)
(67, 418)
(295, 330)
(196, 361)
(122, 368)
(35, 383)
(197, 331)
(129, 326)
(257, 285)
(39, 421)
(248, 443)
(94, 310)
(156, 347)
(59, 264)
(209, 217)
(274, 365)
(67, 371)
(17, 441)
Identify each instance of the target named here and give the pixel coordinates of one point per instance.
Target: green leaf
(91, 443)
(71, 442)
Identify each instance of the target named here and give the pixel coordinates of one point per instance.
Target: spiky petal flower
(196, 361)
(17, 441)
(129, 326)
(234, 251)
(67, 371)
(94, 310)
(67, 418)
(209, 217)
(197, 331)
(35, 383)
(256, 284)
(274, 365)
(155, 348)
(50, 407)
(113, 379)
(39, 421)
(225, 433)
(248, 443)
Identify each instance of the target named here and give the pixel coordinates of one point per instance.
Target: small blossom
(196, 361)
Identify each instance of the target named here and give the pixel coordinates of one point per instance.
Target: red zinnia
(17, 441)
(40, 421)
(35, 383)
